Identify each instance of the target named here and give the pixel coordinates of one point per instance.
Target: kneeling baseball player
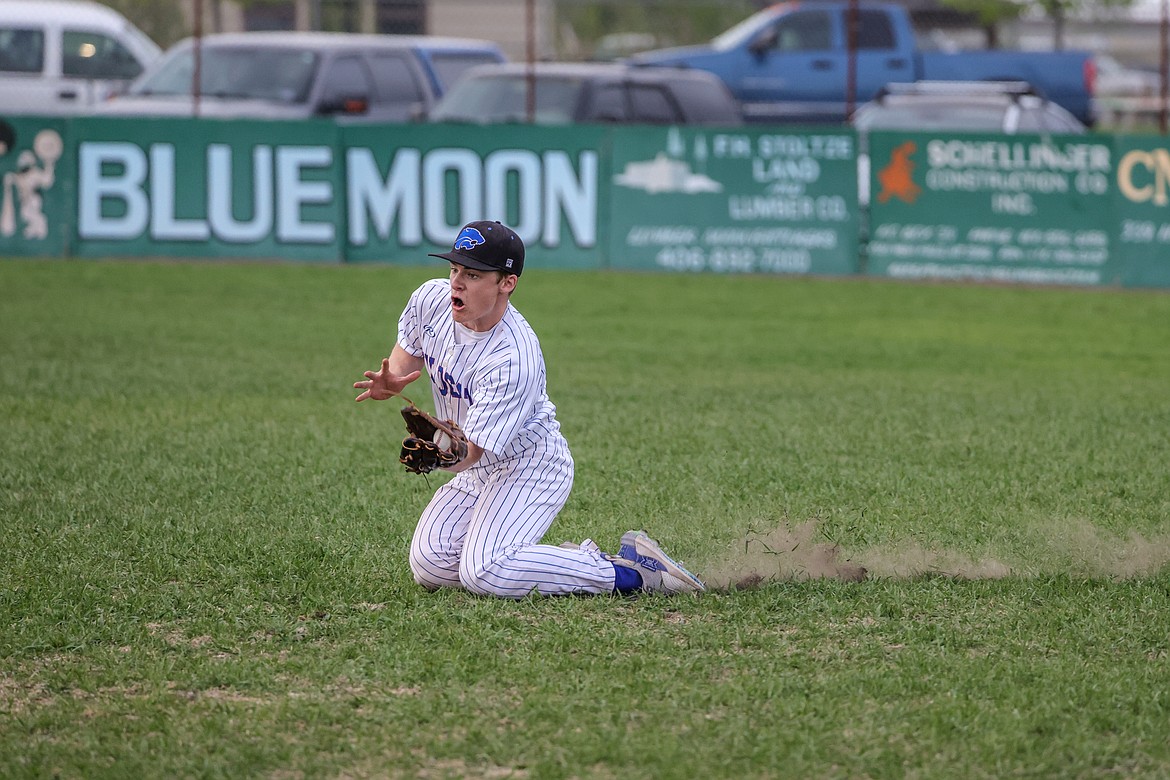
(496, 429)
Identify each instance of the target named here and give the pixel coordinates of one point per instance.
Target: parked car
(1117, 80)
(60, 57)
(567, 93)
(289, 75)
(1125, 94)
(978, 107)
(790, 62)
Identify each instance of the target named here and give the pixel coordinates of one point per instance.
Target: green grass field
(203, 571)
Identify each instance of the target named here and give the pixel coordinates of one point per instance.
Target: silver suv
(975, 106)
(290, 75)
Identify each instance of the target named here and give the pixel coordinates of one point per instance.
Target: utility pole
(1164, 46)
(197, 70)
(530, 34)
(853, 17)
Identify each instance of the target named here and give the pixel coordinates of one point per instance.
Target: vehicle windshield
(930, 116)
(740, 33)
(141, 40)
(504, 98)
(451, 67)
(259, 73)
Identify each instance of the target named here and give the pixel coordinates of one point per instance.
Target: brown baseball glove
(432, 443)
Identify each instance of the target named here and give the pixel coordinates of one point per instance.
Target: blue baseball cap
(487, 246)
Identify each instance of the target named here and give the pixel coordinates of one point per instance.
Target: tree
(1059, 11)
(163, 20)
(989, 14)
(992, 13)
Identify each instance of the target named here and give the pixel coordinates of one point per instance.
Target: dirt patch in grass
(1066, 546)
(1074, 547)
(1087, 549)
(783, 553)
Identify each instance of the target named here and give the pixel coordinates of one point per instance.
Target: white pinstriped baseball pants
(481, 531)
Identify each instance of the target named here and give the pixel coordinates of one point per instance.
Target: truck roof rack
(1013, 88)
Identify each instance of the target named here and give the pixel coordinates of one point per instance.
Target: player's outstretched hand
(383, 383)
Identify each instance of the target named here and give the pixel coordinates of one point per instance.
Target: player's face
(479, 298)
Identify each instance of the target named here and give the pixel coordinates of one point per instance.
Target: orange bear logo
(897, 178)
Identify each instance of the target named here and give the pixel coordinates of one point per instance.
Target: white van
(64, 56)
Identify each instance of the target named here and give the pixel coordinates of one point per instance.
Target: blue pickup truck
(791, 62)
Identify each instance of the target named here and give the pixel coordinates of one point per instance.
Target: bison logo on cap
(469, 238)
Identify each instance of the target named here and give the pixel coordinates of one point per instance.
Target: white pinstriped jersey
(492, 384)
(482, 530)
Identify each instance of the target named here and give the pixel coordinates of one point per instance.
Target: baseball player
(482, 530)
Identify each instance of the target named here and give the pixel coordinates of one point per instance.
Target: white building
(504, 21)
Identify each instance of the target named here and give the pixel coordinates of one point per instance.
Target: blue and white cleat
(660, 573)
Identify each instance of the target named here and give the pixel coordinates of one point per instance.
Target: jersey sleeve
(410, 328)
(416, 314)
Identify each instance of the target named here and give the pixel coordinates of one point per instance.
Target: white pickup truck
(63, 57)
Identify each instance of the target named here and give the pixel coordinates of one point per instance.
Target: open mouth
(456, 303)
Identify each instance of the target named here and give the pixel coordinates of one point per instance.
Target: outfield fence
(1081, 210)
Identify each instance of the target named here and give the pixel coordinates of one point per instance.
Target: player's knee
(475, 580)
(428, 581)
(432, 574)
(475, 583)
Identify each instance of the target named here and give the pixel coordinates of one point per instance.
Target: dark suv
(566, 93)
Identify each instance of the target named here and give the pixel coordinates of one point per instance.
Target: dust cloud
(1075, 547)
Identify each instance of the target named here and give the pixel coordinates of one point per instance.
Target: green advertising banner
(1082, 210)
(37, 171)
(410, 188)
(1026, 208)
(208, 188)
(698, 199)
(1142, 211)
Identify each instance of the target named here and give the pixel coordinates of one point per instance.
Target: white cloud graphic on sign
(663, 174)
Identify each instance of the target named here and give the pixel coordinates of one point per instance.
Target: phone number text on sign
(731, 249)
